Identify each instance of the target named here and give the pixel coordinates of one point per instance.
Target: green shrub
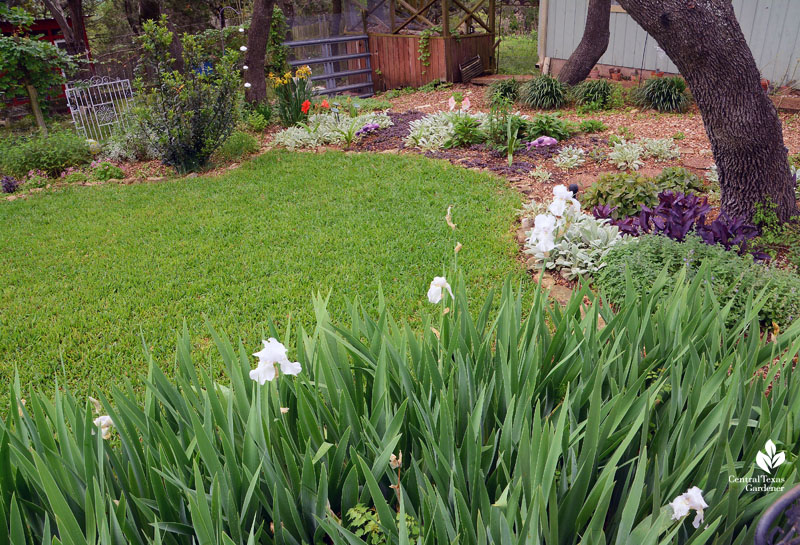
(589, 126)
(518, 425)
(236, 146)
(664, 94)
(504, 90)
(51, 154)
(680, 180)
(733, 278)
(466, 132)
(596, 94)
(549, 125)
(625, 191)
(188, 114)
(105, 171)
(543, 92)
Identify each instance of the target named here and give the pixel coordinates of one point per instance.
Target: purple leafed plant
(627, 226)
(369, 128)
(8, 184)
(675, 216)
(730, 233)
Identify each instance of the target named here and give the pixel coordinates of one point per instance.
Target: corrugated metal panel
(770, 27)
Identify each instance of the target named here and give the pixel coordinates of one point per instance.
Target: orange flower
(325, 104)
(305, 107)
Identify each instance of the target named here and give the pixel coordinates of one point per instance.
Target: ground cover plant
(141, 258)
(534, 429)
(736, 280)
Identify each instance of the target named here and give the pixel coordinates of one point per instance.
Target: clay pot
(616, 76)
(765, 84)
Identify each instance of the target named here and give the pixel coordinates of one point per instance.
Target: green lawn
(86, 269)
(518, 55)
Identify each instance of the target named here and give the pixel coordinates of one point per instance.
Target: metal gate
(97, 105)
(353, 62)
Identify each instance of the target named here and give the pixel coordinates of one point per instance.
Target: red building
(49, 30)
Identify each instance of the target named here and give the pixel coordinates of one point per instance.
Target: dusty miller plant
(661, 149)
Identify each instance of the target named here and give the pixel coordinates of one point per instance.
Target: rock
(11, 198)
(562, 294)
(233, 166)
(548, 282)
(522, 236)
(527, 223)
(192, 175)
(393, 150)
(531, 264)
(155, 178)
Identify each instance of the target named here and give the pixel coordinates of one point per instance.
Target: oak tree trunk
(255, 58)
(592, 46)
(704, 40)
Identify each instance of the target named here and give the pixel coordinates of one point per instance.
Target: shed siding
(770, 27)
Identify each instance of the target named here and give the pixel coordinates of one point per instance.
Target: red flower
(305, 106)
(325, 104)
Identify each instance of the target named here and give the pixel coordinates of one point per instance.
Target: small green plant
(256, 122)
(664, 94)
(466, 132)
(348, 132)
(626, 155)
(680, 180)
(624, 192)
(598, 156)
(543, 92)
(505, 89)
(105, 171)
(713, 175)
(589, 126)
(365, 523)
(236, 146)
(548, 125)
(569, 157)
(678, 136)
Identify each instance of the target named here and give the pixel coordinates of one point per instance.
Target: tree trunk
(592, 46)
(256, 55)
(704, 40)
(336, 18)
(73, 34)
(33, 95)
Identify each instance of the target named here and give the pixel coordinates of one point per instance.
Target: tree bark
(256, 55)
(73, 34)
(704, 40)
(592, 46)
(33, 95)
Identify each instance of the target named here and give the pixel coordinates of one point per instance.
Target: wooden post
(446, 18)
(392, 10)
(493, 32)
(449, 74)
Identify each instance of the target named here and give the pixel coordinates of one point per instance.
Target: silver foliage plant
(435, 130)
(323, 129)
(660, 149)
(626, 155)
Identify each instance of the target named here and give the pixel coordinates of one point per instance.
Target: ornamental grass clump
(669, 94)
(519, 423)
(543, 92)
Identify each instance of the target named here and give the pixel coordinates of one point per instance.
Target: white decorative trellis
(97, 105)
